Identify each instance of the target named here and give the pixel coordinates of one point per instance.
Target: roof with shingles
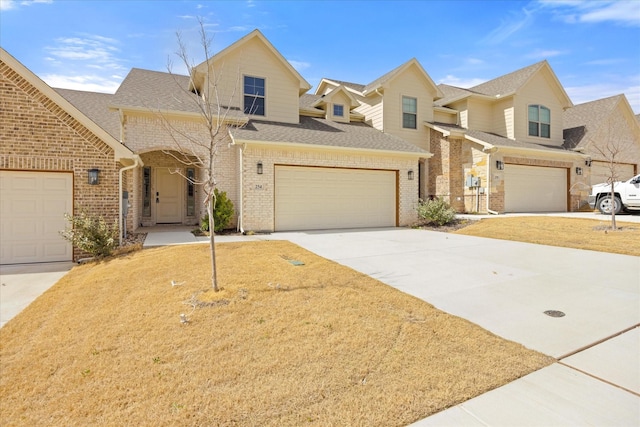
(503, 85)
(584, 118)
(320, 132)
(160, 91)
(494, 139)
(95, 106)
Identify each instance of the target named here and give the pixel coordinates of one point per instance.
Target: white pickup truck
(626, 196)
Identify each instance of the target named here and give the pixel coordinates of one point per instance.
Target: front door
(168, 196)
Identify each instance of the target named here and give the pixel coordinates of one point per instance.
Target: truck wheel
(605, 205)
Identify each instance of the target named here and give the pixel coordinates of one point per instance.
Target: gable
(59, 107)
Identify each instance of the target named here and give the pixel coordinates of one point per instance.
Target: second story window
(254, 95)
(338, 110)
(539, 121)
(409, 112)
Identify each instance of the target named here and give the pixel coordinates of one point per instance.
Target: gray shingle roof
(581, 119)
(355, 86)
(496, 140)
(502, 85)
(95, 106)
(154, 90)
(321, 132)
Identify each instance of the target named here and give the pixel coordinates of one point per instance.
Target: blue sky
(593, 46)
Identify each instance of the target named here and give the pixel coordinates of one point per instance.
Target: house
(498, 146)
(349, 155)
(608, 132)
(48, 154)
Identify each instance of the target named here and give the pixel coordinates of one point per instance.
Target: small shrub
(436, 211)
(91, 234)
(222, 212)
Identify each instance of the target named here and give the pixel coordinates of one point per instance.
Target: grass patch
(281, 344)
(558, 231)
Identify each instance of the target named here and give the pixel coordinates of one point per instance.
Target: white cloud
(92, 51)
(299, 65)
(88, 82)
(586, 93)
(15, 4)
(515, 22)
(461, 82)
(625, 12)
(544, 54)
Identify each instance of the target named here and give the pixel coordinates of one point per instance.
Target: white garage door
(600, 171)
(32, 209)
(324, 198)
(535, 189)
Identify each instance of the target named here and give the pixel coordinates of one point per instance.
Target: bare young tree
(200, 149)
(612, 151)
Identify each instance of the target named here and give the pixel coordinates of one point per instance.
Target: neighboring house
(498, 146)
(347, 156)
(607, 131)
(47, 149)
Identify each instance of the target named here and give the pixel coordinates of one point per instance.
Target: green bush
(222, 212)
(91, 234)
(436, 211)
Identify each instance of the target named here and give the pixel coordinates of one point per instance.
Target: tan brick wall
(156, 137)
(37, 135)
(258, 190)
(446, 176)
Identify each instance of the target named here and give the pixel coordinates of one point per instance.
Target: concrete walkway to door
(506, 287)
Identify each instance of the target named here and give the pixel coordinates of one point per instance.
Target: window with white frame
(254, 95)
(539, 121)
(338, 110)
(409, 112)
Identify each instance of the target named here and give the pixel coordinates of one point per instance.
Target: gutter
(123, 230)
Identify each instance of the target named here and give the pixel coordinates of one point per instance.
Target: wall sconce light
(587, 163)
(499, 165)
(259, 168)
(578, 171)
(410, 175)
(93, 176)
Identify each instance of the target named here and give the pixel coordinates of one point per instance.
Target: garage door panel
(33, 207)
(601, 171)
(535, 189)
(317, 198)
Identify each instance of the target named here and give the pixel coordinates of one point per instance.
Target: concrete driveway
(506, 287)
(21, 284)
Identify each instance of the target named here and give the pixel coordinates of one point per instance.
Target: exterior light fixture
(499, 165)
(93, 176)
(259, 168)
(578, 171)
(410, 175)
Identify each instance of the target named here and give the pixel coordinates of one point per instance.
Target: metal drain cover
(554, 313)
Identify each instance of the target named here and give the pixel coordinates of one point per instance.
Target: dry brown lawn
(576, 233)
(318, 345)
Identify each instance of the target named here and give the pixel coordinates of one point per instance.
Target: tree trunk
(212, 244)
(613, 207)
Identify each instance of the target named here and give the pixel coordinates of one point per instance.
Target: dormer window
(539, 121)
(338, 110)
(409, 112)
(254, 95)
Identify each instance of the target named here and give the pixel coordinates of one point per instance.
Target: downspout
(240, 199)
(123, 229)
(489, 181)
